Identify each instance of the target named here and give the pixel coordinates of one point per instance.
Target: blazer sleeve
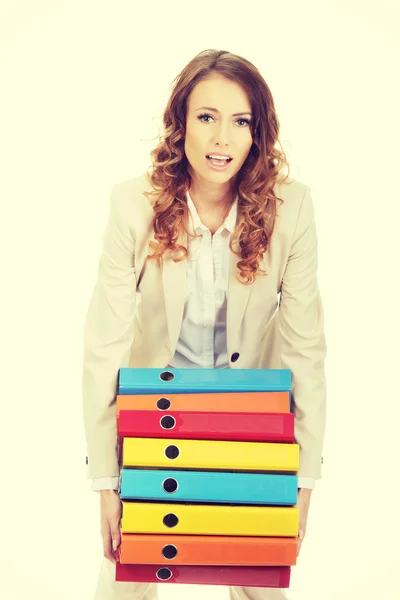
(108, 336)
(303, 344)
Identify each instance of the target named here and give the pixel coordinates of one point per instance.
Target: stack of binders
(208, 477)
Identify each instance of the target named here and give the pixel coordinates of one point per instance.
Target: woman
(195, 258)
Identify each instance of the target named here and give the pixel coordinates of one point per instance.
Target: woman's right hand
(110, 516)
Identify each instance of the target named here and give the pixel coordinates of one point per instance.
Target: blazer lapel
(237, 299)
(174, 275)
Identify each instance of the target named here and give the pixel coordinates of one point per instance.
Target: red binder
(271, 577)
(256, 427)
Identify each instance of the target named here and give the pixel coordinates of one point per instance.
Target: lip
(218, 168)
(219, 154)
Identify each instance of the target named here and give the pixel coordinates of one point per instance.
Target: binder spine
(180, 381)
(208, 487)
(268, 427)
(273, 577)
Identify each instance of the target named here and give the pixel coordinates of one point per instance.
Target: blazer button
(87, 460)
(235, 356)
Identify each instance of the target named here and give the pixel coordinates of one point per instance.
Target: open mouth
(219, 161)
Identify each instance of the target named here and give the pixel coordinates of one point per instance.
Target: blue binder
(206, 486)
(183, 381)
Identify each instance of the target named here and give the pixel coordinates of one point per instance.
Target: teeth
(218, 157)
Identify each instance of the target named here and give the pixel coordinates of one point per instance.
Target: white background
(82, 85)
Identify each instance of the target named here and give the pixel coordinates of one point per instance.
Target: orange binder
(207, 550)
(230, 402)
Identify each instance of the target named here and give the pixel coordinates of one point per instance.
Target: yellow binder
(209, 519)
(210, 455)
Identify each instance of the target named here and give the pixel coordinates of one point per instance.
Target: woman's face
(220, 130)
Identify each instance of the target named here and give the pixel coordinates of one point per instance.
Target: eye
(205, 115)
(244, 120)
(200, 117)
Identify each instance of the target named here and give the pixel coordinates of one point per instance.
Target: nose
(222, 134)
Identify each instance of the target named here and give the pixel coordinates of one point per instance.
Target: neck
(211, 200)
(210, 196)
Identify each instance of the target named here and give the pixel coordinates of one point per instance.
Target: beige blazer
(135, 314)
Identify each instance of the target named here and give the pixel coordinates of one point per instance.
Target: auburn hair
(170, 178)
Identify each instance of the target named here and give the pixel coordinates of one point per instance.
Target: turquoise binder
(207, 486)
(183, 381)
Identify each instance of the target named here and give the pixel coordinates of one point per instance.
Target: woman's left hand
(303, 503)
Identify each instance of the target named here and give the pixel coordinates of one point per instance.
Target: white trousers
(109, 589)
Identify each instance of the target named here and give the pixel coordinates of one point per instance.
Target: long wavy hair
(170, 178)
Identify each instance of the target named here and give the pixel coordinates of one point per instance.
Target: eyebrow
(210, 108)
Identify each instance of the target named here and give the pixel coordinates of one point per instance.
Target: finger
(115, 534)
(107, 547)
(300, 538)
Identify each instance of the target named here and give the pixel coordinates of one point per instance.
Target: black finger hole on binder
(169, 551)
(163, 403)
(164, 573)
(170, 520)
(167, 422)
(172, 451)
(167, 376)
(170, 485)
